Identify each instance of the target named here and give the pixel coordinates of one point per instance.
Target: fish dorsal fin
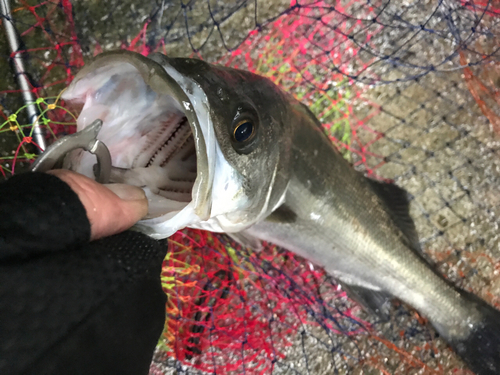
(398, 206)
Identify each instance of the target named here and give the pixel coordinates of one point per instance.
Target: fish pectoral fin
(373, 301)
(283, 214)
(398, 204)
(246, 240)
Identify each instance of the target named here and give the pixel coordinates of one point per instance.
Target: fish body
(255, 163)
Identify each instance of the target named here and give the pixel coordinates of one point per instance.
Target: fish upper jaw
(158, 128)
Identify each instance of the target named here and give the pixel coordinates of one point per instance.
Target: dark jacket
(67, 305)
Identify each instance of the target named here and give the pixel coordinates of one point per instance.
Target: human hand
(111, 208)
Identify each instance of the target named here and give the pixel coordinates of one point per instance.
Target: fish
(228, 151)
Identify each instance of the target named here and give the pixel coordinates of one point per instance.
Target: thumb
(110, 208)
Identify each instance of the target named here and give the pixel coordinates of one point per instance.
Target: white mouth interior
(149, 138)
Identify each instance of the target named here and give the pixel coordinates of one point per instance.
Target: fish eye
(243, 131)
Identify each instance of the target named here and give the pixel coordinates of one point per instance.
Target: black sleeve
(89, 308)
(39, 213)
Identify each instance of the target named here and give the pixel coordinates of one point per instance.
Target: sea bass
(227, 151)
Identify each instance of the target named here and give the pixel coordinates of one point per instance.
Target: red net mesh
(228, 310)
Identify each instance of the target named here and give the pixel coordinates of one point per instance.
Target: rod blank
(21, 74)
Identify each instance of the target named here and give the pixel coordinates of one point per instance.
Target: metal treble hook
(86, 139)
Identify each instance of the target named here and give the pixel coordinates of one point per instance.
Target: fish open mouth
(156, 137)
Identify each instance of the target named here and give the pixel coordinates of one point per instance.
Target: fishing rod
(22, 78)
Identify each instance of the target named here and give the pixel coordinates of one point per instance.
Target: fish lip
(161, 82)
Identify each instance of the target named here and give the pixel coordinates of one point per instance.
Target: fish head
(209, 145)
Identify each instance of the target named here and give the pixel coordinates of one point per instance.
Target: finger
(110, 208)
